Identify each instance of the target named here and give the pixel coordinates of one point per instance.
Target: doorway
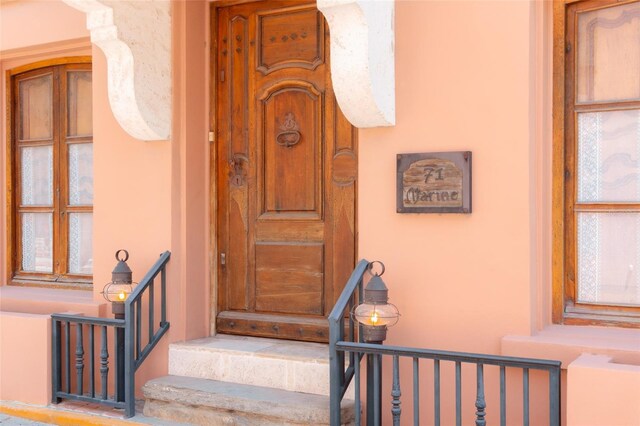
(285, 172)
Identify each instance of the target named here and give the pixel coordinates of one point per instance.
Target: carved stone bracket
(362, 59)
(135, 37)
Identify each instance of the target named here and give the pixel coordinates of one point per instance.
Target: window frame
(60, 143)
(565, 308)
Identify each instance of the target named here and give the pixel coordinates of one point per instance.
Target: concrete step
(279, 364)
(212, 403)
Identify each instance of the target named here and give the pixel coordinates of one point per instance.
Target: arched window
(51, 176)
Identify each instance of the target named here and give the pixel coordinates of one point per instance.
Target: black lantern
(121, 285)
(376, 314)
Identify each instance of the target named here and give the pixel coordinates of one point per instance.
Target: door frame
(214, 252)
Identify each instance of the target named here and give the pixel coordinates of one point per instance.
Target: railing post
(104, 362)
(503, 396)
(79, 359)
(525, 396)
(395, 392)
(458, 393)
(481, 404)
(129, 366)
(436, 392)
(374, 389)
(67, 356)
(120, 362)
(554, 397)
(56, 367)
(334, 375)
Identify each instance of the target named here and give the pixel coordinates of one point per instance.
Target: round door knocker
(288, 138)
(290, 135)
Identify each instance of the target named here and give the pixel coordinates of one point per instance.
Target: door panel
(290, 39)
(291, 272)
(286, 162)
(291, 119)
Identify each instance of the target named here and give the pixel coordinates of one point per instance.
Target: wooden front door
(286, 173)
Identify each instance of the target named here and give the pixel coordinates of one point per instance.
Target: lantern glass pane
(117, 292)
(376, 315)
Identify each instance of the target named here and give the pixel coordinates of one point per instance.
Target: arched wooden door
(286, 173)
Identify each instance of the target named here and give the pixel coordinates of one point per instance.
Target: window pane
(37, 237)
(81, 174)
(35, 108)
(79, 103)
(609, 156)
(36, 171)
(81, 243)
(609, 258)
(609, 53)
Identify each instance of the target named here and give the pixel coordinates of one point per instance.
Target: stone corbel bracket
(363, 59)
(135, 37)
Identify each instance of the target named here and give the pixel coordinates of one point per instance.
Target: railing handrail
(148, 278)
(88, 320)
(467, 357)
(354, 280)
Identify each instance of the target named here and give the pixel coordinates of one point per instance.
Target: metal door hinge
(223, 258)
(212, 136)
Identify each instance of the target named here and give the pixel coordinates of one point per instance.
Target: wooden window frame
(59, 278)
(565, 308)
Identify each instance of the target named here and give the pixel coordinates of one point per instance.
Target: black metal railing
(120, 339)
(345, 344)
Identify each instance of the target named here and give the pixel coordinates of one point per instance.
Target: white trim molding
(363, 59)
(135, 36)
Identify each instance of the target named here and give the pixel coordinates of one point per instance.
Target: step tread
(214, 394)
(259, 347)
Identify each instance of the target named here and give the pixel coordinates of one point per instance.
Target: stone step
(212, 403)
(279, 364)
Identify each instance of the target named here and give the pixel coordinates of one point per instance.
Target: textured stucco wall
(31, 23)
(602, 392)
(463, 78)
(25, 363)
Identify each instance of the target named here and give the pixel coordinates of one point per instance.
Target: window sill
(38, 300)
(566, 343)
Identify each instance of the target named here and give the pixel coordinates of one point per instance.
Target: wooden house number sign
(434, 182)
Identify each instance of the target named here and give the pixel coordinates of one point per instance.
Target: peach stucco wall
(603, 392)
(31, 23)
(25, 358)
(464, 78)
(458, 87)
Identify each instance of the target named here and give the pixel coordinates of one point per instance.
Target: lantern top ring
(126, 255)
(370, 268)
